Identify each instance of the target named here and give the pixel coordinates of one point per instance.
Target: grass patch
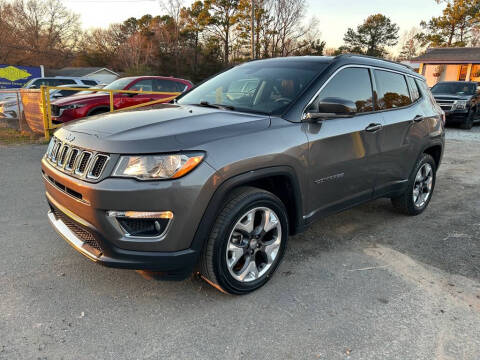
(10, 136)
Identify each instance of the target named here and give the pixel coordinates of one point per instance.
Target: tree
(371, 37)
(411, 45)
(454, 27)
(195, 18)
(41, 32)
(223, 16)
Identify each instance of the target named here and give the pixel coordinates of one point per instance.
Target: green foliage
(454, 27)
(371, 37)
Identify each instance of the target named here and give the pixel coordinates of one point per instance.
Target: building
(449, 64)
(103, 75)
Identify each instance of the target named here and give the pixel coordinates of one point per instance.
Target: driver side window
(353, 84)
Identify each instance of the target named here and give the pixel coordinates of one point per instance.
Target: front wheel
(246, 243)
(420, 188)
(468, 122)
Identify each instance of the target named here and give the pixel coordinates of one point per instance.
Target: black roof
(344, 59)
(450, 55)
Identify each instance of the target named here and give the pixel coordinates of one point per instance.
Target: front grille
(98, 165)
(63, 155)
(71, 159)
(84, 235)
(76, 161)
(84, 160)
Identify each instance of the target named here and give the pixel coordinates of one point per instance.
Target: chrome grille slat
(63, 155)
(75, 161)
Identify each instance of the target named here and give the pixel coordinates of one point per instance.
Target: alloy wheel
(422, 187)
(254, 244)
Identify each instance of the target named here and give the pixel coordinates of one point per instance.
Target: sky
(334, 16)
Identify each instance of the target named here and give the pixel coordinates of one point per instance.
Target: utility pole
(252, 23)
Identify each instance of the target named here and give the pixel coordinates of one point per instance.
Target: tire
(406, 202)
(467, 124)
(232, 270)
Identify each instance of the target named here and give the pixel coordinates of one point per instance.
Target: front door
(343, 154)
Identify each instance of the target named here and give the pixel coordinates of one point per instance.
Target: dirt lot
(364, 284)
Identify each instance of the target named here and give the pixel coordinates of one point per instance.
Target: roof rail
(373, 58)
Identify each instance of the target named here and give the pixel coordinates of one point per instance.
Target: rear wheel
(246, 243)
(420, 188)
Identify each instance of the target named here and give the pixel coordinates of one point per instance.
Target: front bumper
(84, 223)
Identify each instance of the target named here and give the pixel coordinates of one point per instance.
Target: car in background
(56, 94)
(10, 109)
(80, 106)
(460, 101)
(35, 83)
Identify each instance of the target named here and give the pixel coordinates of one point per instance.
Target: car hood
(170, 128)
(79, 99)
(451, 97)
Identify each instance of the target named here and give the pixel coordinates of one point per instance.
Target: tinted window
(89, 82)
(352, 84)
(168, 86)
(271, 88)
(119, 84)
(142, 85)
(414, 92)
(392, 90)
(56, 82)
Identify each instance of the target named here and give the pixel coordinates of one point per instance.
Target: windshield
(119, 84)
(454, 88)
(261, 87)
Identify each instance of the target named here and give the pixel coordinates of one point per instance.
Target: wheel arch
(280, 180)
(435, 151)
(96, 108)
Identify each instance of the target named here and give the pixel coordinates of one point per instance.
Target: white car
(10, 109)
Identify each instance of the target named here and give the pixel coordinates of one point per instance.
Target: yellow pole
(469, 72)
(45, 112)
(420, 69)
(111, 101)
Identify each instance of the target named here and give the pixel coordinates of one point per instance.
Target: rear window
(392, 90)
(414, 92)
(169, 86)
(89, 82)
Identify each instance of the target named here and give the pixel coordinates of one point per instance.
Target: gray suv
(216, 181)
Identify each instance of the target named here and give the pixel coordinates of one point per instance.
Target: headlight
(460, 104)
(74, 106)
(157, 167)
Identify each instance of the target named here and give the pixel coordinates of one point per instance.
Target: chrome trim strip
(70, 237)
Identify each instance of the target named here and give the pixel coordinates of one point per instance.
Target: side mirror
(331, 108)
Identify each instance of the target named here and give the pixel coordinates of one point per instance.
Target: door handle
(374, 127)
(418, 118)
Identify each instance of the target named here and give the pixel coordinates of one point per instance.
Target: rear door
(343, 154)
(402, 131)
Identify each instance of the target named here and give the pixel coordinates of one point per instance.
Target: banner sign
(13, 76)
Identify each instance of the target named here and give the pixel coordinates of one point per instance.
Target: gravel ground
(364, 284)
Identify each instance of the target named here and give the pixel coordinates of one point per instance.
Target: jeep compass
(216, 181)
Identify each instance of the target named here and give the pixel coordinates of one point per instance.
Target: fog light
(142, 223)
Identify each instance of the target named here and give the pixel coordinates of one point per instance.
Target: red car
(79, 106)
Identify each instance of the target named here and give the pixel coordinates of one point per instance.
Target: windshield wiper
(215, 106)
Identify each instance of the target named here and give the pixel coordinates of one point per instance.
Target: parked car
(460, 100)
(36, 83)
(216, 183)
(56, 94)
(93, 104)
(10, 109)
